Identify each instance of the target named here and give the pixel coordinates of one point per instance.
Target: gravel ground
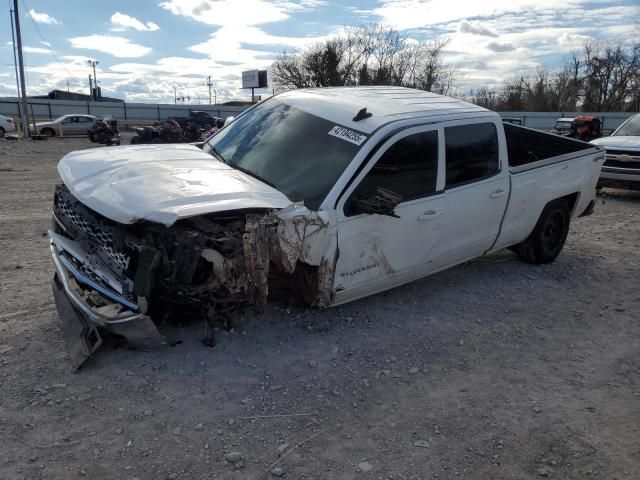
(492, 370)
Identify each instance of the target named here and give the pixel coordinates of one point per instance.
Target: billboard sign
(254, 79)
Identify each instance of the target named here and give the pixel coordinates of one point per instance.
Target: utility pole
(209, 84)
(90, 87)
(15, 60)
(93, 63)
(23, 89)
(175, 95)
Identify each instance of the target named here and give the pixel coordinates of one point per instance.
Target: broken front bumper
(81, 322)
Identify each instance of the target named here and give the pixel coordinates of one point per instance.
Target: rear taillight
(10, 120)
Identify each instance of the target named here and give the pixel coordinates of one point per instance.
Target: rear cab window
(471, 153)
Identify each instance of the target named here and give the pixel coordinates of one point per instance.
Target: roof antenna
(362, 114)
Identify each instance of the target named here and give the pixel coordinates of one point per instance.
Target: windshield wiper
(217, 155)
(254, 175)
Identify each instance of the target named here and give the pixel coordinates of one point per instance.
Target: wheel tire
(2, 131)
(48, 132)
(158, 140)
(93, 137)
(134, 140)
(545, 243)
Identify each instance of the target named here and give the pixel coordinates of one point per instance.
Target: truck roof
(386, 104)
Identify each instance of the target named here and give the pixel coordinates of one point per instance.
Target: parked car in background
(622, 165)
(71, 125)
(326, 195)
(563, 126)
(7, 125)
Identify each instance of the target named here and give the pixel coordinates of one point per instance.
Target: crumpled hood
(631, 142)
(161, 183)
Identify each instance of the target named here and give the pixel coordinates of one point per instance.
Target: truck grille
(613, 159)
(95, 233)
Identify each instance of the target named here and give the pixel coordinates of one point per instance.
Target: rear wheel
(549, 235)
(49, 132)
(2, 131)
(135, 140)
(158, 140)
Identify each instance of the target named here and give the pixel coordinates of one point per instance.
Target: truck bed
(529, 148)
(544, 167)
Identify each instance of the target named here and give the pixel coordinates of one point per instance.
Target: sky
(150, 50)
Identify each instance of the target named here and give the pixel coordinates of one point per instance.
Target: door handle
(498, 193)
(429, 215)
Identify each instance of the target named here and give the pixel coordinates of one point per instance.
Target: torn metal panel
(300, 236)
(257, 257)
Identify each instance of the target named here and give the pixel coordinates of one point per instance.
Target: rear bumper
(82, 323)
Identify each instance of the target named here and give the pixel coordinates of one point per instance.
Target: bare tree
(602, 78)
(368, 55)
(611, 74)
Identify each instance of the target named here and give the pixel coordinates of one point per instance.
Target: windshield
(287, 148)
(628, 128)
(563, 124)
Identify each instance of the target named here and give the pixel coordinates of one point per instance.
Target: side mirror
(383, 202)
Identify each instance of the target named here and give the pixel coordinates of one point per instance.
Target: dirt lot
(493, 370)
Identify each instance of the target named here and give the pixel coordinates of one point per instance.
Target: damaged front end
(126, 278)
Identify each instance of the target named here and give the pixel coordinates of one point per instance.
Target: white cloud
(501, 46)
(477, 28)
(39, 17)
(120, 47)
(234, 13)
(35, 50)
(226, 44)
(122, 21)
(405, 14)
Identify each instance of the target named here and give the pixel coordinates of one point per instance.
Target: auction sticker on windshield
(348, 135)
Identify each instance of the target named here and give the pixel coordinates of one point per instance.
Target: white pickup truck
(327, 195)
(621, 168)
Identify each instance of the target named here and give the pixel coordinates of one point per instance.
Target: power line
(44, 42)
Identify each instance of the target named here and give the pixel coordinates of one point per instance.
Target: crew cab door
(378, 251)
(476, 189)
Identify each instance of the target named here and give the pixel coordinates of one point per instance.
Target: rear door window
(471, 153)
